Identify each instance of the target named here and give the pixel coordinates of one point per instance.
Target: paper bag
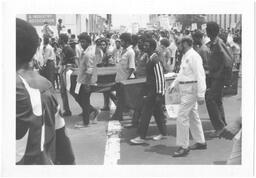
(172, 101)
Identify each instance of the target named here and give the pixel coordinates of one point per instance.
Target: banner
(39, 19)
(164, 22)
(135, 28)
(193, 26)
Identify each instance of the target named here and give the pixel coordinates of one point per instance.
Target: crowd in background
(167, 46)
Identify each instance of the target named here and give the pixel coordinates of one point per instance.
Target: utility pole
(109, 21)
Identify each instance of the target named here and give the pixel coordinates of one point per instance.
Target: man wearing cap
(191, 84)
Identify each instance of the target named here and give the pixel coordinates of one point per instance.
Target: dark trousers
(57, 79)
(138, 110)
(107, 96)
(63, 91)
(106, 99)
(118, 115)
(49, 71)
(152, 107)
(83, 99)
(64, 152)
(213, 98)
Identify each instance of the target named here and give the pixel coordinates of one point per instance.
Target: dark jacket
(216, 63)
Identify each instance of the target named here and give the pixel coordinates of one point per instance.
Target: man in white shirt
(192, 87)
(125, 69)
(49, 59)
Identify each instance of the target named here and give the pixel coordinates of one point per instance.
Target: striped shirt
(155, 75)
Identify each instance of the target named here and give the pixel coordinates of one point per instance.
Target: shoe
(131, 126)
(137, 141)
(67, 113)
(158, 137)
(93, 115)
(105, 108)
(81, 125)
(198, 146)
(180, 152)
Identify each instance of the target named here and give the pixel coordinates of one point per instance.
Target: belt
(69, 65)
(187, 82)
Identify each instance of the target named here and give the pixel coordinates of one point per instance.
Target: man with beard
(154, 95)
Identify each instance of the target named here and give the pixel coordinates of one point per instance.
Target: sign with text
(39, 19)
(193, 26)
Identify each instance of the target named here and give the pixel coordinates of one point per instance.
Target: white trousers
(188, 117)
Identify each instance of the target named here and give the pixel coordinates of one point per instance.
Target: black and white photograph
(118, 89)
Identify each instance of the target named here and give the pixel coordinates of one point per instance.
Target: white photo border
(11, 8)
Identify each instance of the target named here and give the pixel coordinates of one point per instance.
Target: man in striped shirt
(154, 99)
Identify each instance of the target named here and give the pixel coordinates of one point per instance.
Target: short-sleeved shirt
(165, 58)
(141, 62)
(126, 62)
(87, 69)
(48, 53)
(79, 51)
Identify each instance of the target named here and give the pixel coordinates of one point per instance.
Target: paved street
(89, 143)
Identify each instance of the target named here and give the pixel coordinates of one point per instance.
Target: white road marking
(112, 149)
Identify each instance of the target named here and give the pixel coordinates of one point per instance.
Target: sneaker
(137, 141)
(158, 137)
(93, 115)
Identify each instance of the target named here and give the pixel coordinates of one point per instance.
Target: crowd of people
(202, 61)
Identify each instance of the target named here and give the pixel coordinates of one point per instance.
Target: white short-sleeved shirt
(48, 53)
(126, 62)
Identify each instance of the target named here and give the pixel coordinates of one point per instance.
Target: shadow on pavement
(162, 149)
(220, 162)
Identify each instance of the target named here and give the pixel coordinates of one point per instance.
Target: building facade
(226, 20)
(162, 21)
(77, 23)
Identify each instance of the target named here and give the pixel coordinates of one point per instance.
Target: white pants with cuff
(188, 117)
